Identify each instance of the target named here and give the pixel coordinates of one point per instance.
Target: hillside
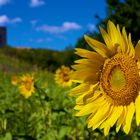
(45, 59)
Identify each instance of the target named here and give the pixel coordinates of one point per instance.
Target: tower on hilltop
(3, 37)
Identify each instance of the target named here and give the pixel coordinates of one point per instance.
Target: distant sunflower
(62, 76)
(26, 85)
(14, 80)
(109, 89)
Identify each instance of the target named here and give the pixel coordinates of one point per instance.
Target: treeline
(43, 58)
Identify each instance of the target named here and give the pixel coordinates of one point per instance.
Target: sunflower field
(46, 115)
(35, 103)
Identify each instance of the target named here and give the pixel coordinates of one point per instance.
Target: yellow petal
(116, 115)
(89, 54)
(92, 95)
(124, 34)
(86, 62)
(77, 81)
(80, 99)
(88, 108)
(121, 119)
(106, 38)
(137, 103)
(137, 50)
(78, 107)
(99, 47)
(103, 119)
(85, 76)
(93, 66)
(106, 130)
(113, 117)
(128, 119)
(80, 89)
(121, 40)
(112, 31)
(100, 116)
(93, 113)
(132, 51)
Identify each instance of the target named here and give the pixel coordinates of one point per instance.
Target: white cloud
(36, 3)
(41, 40)
(5, 20)
(66, 26)
(91, 27)
(16, 20)
(4, 2)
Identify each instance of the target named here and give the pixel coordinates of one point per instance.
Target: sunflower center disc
(28, 85)
(119, 79)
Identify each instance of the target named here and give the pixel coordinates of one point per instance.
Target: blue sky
(52, 24)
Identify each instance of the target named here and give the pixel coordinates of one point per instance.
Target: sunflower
(108, 88)
(26, 85)
(14, 80)
(62, 76)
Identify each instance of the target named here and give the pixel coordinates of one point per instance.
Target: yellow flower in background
(109, 89)
(26, 85)
(62, 76)
(14, 80)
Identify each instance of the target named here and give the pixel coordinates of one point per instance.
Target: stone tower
(3, 37)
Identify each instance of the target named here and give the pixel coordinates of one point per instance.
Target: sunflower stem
(40, 91)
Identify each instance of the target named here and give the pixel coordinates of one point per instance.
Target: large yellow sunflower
(108, 89)
(62, 76)
(26, 85)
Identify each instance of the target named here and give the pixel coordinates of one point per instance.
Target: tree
(126, 13)
(123, 12)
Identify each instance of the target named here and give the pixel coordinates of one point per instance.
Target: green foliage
(45, 59)
(46, 115)
(125, 13)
